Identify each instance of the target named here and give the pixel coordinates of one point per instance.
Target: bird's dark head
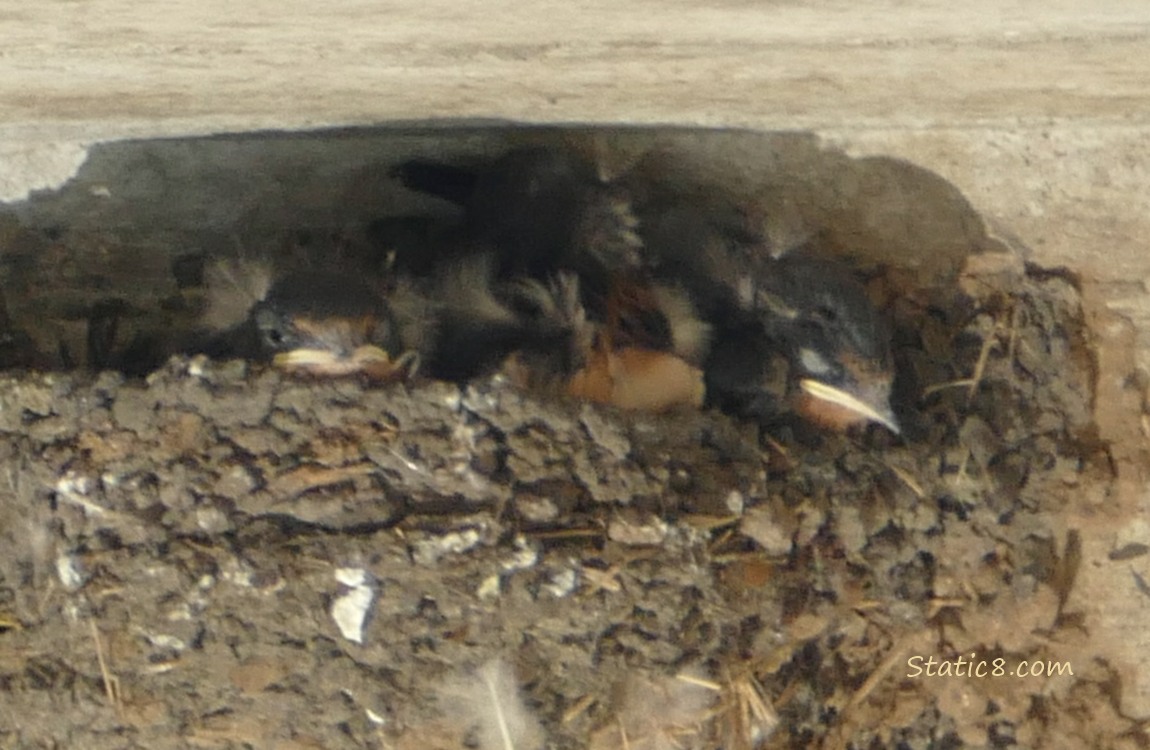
(837, 343)
(329, 325)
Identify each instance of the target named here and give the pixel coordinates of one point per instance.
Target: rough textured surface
(224, 557)
(801, 63)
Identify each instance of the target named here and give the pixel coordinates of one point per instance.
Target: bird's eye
(274, 333)
(274, 330)
(274, 337)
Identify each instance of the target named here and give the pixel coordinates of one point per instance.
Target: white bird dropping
(349, 610)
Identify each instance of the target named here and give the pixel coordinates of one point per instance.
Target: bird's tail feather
(451, 183)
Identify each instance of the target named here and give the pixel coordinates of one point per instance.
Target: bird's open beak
(872, 407)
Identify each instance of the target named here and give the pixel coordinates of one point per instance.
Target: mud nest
(220, 556)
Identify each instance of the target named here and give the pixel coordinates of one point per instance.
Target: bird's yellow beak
(874, 408)
(368, 360)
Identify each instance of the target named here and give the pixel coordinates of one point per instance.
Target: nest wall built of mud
(199, 553)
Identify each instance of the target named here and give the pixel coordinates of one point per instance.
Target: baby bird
(791, 334)
(816, 347)
(324, 323)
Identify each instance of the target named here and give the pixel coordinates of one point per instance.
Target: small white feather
(489, 702)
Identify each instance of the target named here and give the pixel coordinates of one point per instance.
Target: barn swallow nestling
(790, 333)
(332, 325)
(819, 348)
(321, 323)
